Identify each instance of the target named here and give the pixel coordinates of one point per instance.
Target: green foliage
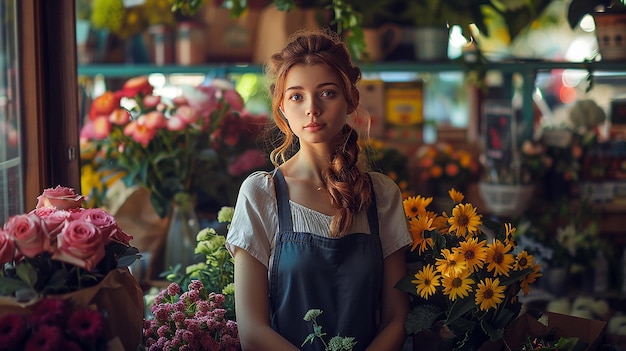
(44, 275)
(217, 271)
(336, 343)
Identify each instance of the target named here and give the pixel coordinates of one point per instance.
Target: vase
(555, 280)
(180, 241)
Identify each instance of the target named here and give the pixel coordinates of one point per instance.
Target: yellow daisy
(464, 220)
(457, 285)
(456, 196)
(426, 281)
(509, 234)
(440, 222)
(451, 263)
(417, 226)
(530, 278)
(523, 261)
(498, 258)
(474, 253)
(416, 205)
(489, 293)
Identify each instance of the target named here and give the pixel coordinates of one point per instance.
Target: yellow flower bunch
(466, 272)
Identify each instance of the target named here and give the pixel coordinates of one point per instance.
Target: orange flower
(104, 104)
(136, 86)
(436, 171)
(452, 169)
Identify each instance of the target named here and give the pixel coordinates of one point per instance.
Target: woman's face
(314, 103)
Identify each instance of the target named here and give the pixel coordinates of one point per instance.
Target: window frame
(49, 96)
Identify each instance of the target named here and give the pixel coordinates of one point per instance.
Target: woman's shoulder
(381, 180)
(258, 183)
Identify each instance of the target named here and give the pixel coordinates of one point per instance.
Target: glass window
(11, 180)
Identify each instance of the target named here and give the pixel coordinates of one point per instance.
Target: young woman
(319, 232)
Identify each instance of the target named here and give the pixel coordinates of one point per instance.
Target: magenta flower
(12, 331)
(48, 311)
(45, 338)
(86, 325)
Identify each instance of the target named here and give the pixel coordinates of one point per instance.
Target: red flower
(46, 338)
(104, 104)
(86, 325)
(136, 86)
(48, 311)
(12, 331)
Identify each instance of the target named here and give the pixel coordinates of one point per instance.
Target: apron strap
(372, 211)
(282, 198)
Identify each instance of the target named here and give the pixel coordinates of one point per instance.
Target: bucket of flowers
(465, 275)
(75, 256)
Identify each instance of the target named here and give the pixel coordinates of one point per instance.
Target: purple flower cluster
(53, 325)
(190, 321)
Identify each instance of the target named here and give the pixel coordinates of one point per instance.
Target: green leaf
(492, 331)
(8, 286)
(405, 285)
(514, 276)
(27, 273)
(422, 317)
(57, 282)
(459, 308)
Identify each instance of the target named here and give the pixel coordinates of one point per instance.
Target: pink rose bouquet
(60, 246)
(193, 320)
(183, 144)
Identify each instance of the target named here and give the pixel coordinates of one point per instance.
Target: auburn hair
(345, 176)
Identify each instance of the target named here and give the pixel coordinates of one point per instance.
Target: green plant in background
(126, 22)
(217, 272)
(336, 343)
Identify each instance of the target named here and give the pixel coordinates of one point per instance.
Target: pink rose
(101, 219)
(80, 244)
(52, 222)
(120, 236)
(28, 235)
(61, 198)
(7, 248)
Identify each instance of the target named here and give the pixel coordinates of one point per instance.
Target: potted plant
(374, 33)
(610, 21)
(432, 20)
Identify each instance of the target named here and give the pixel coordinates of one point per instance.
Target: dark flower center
(488, 294)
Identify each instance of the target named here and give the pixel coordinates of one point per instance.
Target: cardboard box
(589, 331)
(404, 103)
(372, 97)
(404, 111)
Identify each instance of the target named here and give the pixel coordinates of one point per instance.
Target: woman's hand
(395, 306)
(252, 306)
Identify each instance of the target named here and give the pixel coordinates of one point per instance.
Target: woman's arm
(395, 306)
(252, 306)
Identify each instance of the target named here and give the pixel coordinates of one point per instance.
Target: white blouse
(255, 222)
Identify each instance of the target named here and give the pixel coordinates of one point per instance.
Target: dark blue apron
(341, 276)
